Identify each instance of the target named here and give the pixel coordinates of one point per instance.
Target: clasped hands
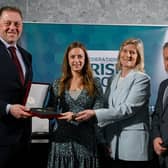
(79, 117)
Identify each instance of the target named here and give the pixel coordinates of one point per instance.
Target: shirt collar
(6, 44)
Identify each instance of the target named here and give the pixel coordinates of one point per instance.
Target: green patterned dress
(72, 144)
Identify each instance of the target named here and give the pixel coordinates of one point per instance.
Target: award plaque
(35, 99)
(37, 95)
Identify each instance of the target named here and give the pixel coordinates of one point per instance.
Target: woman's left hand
(85, 115)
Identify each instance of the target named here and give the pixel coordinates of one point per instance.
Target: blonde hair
(140, 51)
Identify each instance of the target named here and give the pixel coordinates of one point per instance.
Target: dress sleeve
(98, 103)
(136, 99)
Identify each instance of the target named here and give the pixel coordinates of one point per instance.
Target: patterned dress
(73, 144)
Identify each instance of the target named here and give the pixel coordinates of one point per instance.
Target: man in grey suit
(160, 118)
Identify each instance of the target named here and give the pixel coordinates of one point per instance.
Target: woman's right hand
(68, 116)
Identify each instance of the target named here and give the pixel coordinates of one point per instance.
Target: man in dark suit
(15, 128)
(160, 118)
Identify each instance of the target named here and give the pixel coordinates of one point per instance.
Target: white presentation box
(36, 99)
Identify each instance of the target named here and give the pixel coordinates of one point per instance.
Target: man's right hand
(19, 111)
(157, 144)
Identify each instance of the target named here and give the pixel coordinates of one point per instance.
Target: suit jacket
(125, 118)
(160, 115)
(13, 130)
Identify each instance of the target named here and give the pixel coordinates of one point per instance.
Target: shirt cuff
(8, 108)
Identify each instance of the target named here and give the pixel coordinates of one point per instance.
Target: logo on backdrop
(103, 63)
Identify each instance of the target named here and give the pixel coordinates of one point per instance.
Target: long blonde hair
(88, 80)
(140, 51)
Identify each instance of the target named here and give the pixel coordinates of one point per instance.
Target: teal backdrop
(47, 43)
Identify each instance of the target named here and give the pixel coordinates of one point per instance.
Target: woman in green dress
(73, 144)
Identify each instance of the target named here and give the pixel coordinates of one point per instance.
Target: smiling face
(10, 26)
(76, 59)
(128, 56)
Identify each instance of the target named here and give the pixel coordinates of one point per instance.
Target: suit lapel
(8, 61)
(4, 52)
(27, 64)
(165, 98)
(121, 93)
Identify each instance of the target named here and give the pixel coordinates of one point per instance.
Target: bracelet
(73, 117)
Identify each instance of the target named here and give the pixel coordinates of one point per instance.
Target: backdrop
(47, 43)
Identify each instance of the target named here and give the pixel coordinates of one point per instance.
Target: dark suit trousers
(14, 156)
(130, 164)
(163, 160)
